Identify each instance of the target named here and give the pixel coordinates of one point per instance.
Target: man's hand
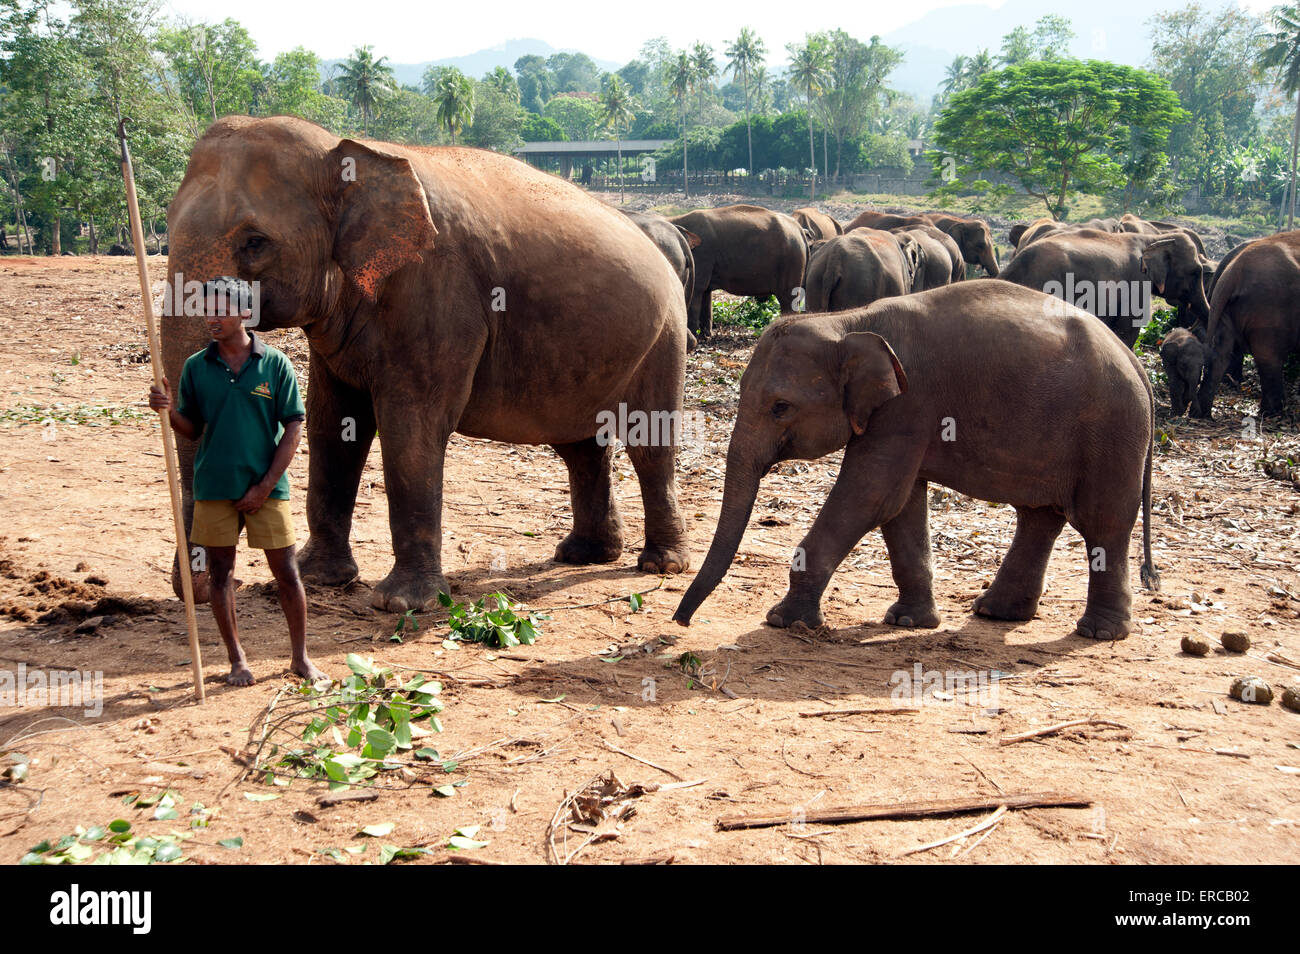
(254, 497)
(160, 399)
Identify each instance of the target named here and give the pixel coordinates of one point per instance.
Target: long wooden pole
(168, 437)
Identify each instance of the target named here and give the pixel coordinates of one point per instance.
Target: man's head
(227, 306)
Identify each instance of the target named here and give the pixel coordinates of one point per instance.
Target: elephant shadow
(887, 665)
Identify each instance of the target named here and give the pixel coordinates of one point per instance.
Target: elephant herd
(1109, 267)
(452, 290)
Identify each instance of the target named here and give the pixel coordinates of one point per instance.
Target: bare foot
(240, 675)
(307, 669)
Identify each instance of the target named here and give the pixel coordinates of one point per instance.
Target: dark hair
(235, 291)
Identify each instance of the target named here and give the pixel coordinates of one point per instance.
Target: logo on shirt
(263, 390)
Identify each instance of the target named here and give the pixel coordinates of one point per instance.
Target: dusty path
(1193, 777)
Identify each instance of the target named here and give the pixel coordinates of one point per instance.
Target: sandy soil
(1188, 776)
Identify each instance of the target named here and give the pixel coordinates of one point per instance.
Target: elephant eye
(256, 243)
(780, 408)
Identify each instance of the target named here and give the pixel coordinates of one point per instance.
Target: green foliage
(1162, 321)
(111, 844)
(500, 627)
(1059, 125)
(359, 730)
(576, 114)
(746, 312)
(91, 415)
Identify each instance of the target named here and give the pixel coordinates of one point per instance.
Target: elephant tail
(1149, 574)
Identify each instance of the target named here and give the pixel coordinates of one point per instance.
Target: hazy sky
(409, 31)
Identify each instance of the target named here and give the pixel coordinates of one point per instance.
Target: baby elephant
(1183, 356)
(856, 269)
(941, 386)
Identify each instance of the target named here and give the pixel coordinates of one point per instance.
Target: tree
(855, 78)
(1283, 54)
(809, 73)
(536, 83)
(1209, 59)
(498, 117)
(293, 80)
(681, 80)
(744, 55)
(453, 95)
(616, 111)
(705, 70)
(1055, 124)
(213, 66)
(578, 114)
(364, 82)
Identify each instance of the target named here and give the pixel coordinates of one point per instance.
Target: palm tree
(453, 94)
(705, 68)
(364, 81)
(808, 74)
(977, 66)
(616, 111)
(681, 80)
(743, 56)
(1283, 53)
(954, 77)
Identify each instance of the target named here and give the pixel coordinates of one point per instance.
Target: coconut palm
(616, 111)
(681, 80)
(745, 55)
(808, 74)
(1283, 54)
(954, 77)
(705, 68)
(453, 94)
(364, 81)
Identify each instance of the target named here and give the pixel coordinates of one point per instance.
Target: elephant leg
(705, 329)
(1019, 583)
(1269, 357)
(907, 538)
(665, 549)
(1104, 513)
(1234, 371)
(597, 535)
(874, 486)
(413, 469)
(340, 430)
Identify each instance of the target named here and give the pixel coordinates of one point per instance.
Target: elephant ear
(382, 220)
(914, 255)
(692, 239)
(870, 375)
(1155, 262)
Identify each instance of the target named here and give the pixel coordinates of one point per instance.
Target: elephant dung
(1235, 640)
(1196, 645)
(1291, 697)
(1251, 689)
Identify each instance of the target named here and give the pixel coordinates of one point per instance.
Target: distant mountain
(483, 61)
(1104, 29)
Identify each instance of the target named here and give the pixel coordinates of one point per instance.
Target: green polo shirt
(242, 415)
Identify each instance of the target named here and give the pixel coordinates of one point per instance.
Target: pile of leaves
(746, 312)
(500, 628)
(350, 735)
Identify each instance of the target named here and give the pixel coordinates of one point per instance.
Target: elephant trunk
(182, 335)
(990, 263)
(738, 495)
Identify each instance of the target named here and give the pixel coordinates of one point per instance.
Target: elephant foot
(691, 342)
(790, 611)
(199, 581)
(316, 565)
(997, 605)
(913, 615)
(583, 550)
(663, 560)
(1103, 625)
(404, 590)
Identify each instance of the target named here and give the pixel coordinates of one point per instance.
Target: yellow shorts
(217, 524)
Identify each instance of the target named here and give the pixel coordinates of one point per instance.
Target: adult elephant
(942, 263)
(818, 224)
(745, 250)
(861, 267)
(1132, 223)
(676, 244)
(1025, 233)
(971, 235)
(1101, 272)
(441, 291)
(965, 386)
(1254, 309)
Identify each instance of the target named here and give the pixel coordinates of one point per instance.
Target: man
(239, 398)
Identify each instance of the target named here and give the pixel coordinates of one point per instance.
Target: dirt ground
(1188, 775)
